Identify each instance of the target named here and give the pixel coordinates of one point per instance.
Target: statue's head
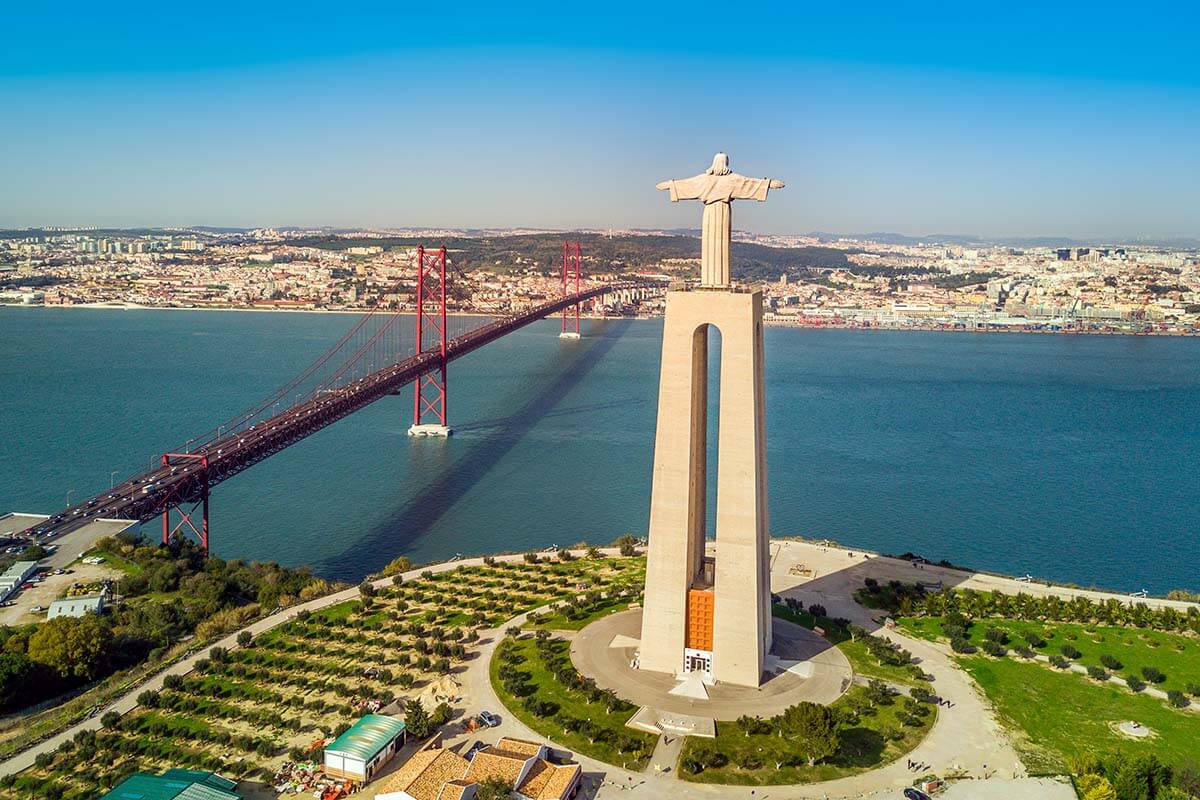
(720, 165)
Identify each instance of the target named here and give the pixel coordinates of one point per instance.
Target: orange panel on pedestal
(700, 619)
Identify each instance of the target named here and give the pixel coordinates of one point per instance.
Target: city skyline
(1072, 122)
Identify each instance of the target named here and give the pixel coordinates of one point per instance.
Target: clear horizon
(1076, 122)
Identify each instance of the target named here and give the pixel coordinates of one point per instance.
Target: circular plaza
(803, 666)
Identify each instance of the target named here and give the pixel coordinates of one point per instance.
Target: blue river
(1067, 457)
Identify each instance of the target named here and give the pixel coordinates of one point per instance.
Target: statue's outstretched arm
(776, 183)
(663, 185)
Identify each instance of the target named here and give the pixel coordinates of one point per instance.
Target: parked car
(915, 794)
(489, 719)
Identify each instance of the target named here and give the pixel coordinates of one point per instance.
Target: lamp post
(112, 478)
(69, 493)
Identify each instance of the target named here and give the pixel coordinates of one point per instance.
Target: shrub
(749, 760)
(1034, 639)
(1193, 689)
(997, 635)
(879, 693)
(817, 610)
(1070, 651)
(1059, 662)
(961, 645)
(1024, 652)
(148, 698)
(1153, 674)
(1111, 662)
(1178, 699)
(1098, 673)
(993, 648)
(1134, 683)
(244, 639)
(922, 695)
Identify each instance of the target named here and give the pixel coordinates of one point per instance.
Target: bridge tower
(570, 272)
(200, 462)
(429, 389)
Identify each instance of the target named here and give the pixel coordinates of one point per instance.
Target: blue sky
(1005, 119)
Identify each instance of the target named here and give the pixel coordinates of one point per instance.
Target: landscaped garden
(870, 656)
(864, 729)
(242, 712)
(1059, 715)
(1026, 653)
(534, 678)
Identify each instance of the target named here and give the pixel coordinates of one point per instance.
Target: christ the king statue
(717, 187)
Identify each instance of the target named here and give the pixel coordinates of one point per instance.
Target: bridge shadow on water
(472, 458)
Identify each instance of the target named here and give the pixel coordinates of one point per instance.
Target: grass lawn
(1063, 714)
(339, 612)
(557, 621)
(570, 702)
(113, 561)
(1177, 656)
(871, 737)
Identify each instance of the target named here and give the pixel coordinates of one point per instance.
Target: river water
(1068, 457)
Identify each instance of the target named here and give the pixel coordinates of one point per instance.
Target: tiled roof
(547, 781)
(423, 775)
(522, 746)
(454, 790)
(491, 762)
(367, 737)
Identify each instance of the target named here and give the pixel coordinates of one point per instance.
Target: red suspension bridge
(381, 354)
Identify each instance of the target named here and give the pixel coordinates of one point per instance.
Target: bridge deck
(144, 496)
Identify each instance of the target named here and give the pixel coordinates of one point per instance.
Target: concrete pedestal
(740, 582)
(429, 430)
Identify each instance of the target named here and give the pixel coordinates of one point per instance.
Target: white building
(14, 576)
(76, 606)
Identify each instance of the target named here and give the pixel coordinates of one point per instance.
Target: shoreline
(1170, 334)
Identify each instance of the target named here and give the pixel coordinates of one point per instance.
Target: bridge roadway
(145, 495)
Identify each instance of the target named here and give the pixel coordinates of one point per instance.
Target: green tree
(17, 677)
(813, 730)
(493, 789)
(1095, 787)
(441, 715)
(627, 544)
(397, 566)
(74, 647)
(417, 720)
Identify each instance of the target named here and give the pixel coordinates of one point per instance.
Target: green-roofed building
(360, 752)
(174, 784)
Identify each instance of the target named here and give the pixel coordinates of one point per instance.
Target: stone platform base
(430, 430)
(806, 667)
